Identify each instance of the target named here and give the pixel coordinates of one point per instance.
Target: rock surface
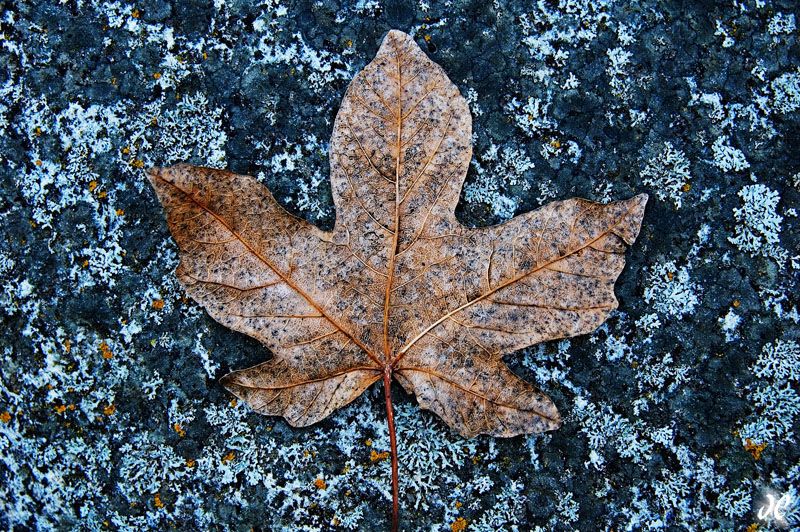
(680, 413)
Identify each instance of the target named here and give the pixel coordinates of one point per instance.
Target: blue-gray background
(680, 413)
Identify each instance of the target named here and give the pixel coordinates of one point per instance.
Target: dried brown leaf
(399, 288)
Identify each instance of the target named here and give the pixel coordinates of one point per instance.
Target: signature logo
(776, 508)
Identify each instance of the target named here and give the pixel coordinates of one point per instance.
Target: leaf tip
(230, 383)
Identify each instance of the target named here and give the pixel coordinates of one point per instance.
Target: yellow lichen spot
(233, 403)
(368, 443)
(92, 186)
(85, 263)
(205, 55)
(228, 457)
(378, 456)
(67, 346)
(735, 303)
(38, 162)
(349, 43)
(71, 406)
(109, 409)
(292, 71)
(138, 163)
(458, 505)
(335, 521)
(106, 350)
(458, 525)
(114, 81)
(555, 143)
(126, 150)
(320, 483)
(476, 459)
(60, 409)
(752, 528)
(102, 194)
(120, 212)
(157, 75)
(670, 276)
(687, 187)
(37, 131)
(157, 501)
(158, 304)
(5, 417)
(178, 429)
(427, 38)
(754, 449)
(135, 14)
(49, 386)
(190, 463)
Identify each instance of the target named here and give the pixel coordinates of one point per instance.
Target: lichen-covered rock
(679, 413)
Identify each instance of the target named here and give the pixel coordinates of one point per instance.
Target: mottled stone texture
(678, 413)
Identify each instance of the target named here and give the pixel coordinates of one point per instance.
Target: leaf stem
(387, 387)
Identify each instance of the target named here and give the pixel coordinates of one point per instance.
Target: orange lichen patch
(138, 163)
(102, 194)
(228, 457)
(120, 212)
(735, 303)
(458, 525)
(205, 55)
(157, 75)
(157, 501)
(37, 131)
(5, 417)
(67, 346)
(458, 505)
(320, 483)
(378, 456)
(754, 449)
(71, 406)
(233, 403)
(349, 43)
(135, 14)
(555, 143)
(85, 263)
(670, 275)
(190, 463)
(178, 429)
(368, 443)
(109, 409)
(92, 186)
(427, 38)
(49, 386)
(106, 350)
(158, 304)
(38, 162)
(126, 151)
(60, 409)
(687, 187)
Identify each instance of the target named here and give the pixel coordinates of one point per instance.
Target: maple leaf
(399, 289)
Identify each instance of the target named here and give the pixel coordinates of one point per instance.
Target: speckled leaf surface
(399, 287)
